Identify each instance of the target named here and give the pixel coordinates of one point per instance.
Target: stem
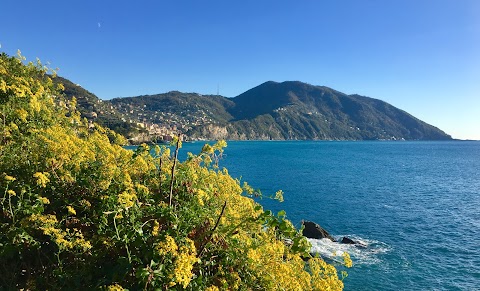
(213, 230)
(4, 195)
(4, 131)
(173, 171)
(11, 210)
(160, 178)
(125, 239)
(59, 262)
(116, 229)
(128, 251)
(141, 227)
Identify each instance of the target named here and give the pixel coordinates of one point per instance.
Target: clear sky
(422, 56)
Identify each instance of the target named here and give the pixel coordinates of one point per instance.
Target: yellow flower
(22, 114)
(71, 210)
(9, 178)
(167, 246)
(44, 200)
(201, 196)
(11, 193)
(127, 199)
(279, 195)
(184, 263)
(43, 219)
(83, 244)
(142, 189)
(324, 276)
(347, 260)
(85, 203)
(42, 179)
(254, 255)
(162, 204)
(155, 228)
(207, 149)
(115, 287)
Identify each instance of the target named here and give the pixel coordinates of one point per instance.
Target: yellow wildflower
(11, 193)
(184, 263)
(85, 203)
(324, 276)
(207, 149)
(13, 126)
(201, 196)
(167, 246)
(9, 178)
(127, 198)
(162, 204)
(39, 219)
(155, 228)
(83, 244)
(279, 195)
(237, 281)
(142, 189)
(44, 200)
(254, 255)
(42, 179)
(71, 210)
(212, 288)
(22, 114)
(115, 287)
(347, 260)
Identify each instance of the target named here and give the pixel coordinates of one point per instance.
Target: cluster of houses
(162, 126)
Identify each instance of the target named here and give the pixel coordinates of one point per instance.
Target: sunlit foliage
(80, 211)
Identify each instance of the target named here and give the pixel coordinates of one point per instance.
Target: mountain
(296, 110)
(289, 110)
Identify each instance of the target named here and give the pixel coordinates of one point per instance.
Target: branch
(213, 230)
(173, 171)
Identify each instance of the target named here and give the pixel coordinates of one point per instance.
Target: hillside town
(153, 125)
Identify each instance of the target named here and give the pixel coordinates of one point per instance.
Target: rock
(346, 240)
(313, 230)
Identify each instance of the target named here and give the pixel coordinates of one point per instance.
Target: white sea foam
(368, 251)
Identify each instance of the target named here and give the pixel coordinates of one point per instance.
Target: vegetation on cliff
(78, 211)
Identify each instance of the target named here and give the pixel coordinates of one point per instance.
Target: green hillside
(185, 111)
(271, 111)
(97, 110)
(295, 110)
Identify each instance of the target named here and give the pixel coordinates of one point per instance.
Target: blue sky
(422, 56)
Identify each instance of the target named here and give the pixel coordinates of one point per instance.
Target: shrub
(78, 211)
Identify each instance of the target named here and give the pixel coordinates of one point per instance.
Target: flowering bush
(80, 212)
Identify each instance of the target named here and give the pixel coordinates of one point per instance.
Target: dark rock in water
(313, 230)
(346, 240)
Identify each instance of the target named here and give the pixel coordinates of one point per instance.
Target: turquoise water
(415, 204)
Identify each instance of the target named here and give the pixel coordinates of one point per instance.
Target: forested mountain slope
(289, 110)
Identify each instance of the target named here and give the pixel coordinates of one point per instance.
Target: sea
(415, 206)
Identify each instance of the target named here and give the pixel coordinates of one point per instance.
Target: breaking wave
(366, 252)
